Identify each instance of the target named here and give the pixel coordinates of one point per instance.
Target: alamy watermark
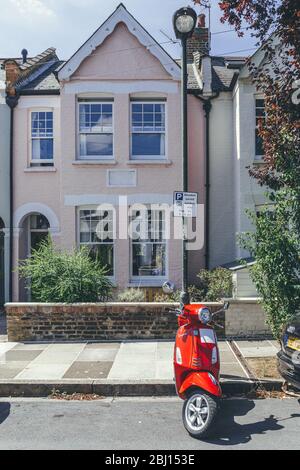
(143, 222)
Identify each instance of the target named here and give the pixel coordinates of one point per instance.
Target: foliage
(131, 295)
(214, 285)
(276, 247)
(162, 297)
(276, 25)
(57, 276)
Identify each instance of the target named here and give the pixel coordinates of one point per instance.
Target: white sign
(185, 204)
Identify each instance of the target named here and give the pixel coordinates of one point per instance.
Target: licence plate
(294, 343)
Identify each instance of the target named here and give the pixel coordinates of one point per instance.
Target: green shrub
(57, 276)
(213, 285)
(131, 295)
(162, 297)
(275, 245)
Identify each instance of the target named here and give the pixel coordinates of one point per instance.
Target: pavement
(123, 423)
(124, 368)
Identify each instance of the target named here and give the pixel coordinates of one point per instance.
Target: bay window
(95, 130)
(42, 138)
(97, 233)
(148, 244)
(148, 130)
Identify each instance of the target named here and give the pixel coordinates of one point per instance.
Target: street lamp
(184, 23)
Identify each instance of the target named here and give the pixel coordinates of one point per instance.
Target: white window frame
(34, 230)
(94, 157)
(257, 158)
(165, 132)
(79, 244)
(148, 280)
(35, 161)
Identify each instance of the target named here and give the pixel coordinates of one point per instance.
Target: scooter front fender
(201, 380)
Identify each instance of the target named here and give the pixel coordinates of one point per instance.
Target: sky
(67, 24)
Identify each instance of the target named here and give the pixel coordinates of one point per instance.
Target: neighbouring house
(233, 108)
(4, 189)
(98, 132)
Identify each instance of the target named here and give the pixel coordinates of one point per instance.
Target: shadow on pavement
(4, 411)
(230, 433)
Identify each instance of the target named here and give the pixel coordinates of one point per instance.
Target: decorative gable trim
(120, 15)
(259, 55)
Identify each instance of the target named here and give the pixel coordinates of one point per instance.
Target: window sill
(150, 162)
(40, 169)
(146, 283)
(258, 160)
(94, 162)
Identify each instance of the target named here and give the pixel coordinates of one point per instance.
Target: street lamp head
(184, 22)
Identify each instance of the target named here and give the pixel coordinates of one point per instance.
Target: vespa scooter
(197, 367)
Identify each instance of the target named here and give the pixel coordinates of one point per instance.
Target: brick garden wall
(111, 321)
(121, 321)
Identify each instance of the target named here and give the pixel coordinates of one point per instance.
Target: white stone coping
(99, 304)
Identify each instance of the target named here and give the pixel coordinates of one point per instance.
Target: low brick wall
(111, 321)
(122, 321)
(246, 318)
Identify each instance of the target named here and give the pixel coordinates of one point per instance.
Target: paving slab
(31, 346)
(88, 370)
(11, 369)
(256, 348)
(97, 355)
(43, 372)
(19, 355)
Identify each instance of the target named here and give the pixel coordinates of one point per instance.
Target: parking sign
(185, 204)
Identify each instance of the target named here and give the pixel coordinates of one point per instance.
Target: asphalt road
(148, 424)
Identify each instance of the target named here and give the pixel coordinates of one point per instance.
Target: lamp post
(184, 23)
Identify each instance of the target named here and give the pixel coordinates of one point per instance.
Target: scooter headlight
(204, 315)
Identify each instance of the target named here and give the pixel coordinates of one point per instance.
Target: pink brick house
(97, 133)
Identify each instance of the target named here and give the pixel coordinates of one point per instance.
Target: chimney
(199, 42)
(12, 72)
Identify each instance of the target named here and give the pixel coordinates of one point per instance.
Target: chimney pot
(24, 55)
(201, 21)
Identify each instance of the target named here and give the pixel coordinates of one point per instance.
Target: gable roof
(259, 55)
(120, 15)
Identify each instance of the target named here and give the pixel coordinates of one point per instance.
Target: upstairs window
(95, 130)
(260, 116)
(42, 138)
(148, 130)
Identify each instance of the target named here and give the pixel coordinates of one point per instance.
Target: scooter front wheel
(199, 413)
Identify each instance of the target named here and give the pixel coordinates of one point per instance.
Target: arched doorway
(35, 229)
(2, 264)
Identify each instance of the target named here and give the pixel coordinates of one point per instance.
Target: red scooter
(197, 368)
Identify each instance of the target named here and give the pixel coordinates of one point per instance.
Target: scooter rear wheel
(199, 413)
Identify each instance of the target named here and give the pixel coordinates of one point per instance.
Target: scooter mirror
(226, 306)
(168, 287)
